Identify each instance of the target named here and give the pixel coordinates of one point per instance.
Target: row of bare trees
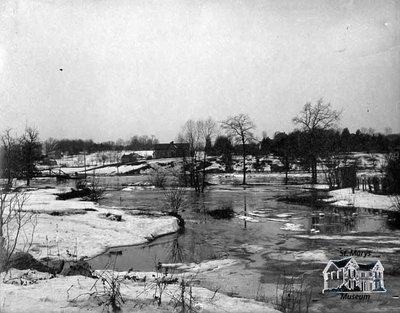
(76, 146)
(199, 135)
(314, 122)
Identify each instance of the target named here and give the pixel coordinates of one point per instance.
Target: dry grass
(293, 295)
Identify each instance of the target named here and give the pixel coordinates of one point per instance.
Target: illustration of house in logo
(346, 275)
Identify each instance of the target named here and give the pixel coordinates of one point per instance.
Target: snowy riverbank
(85, 229)
(360, 199)
(73, 229)
(78, 294)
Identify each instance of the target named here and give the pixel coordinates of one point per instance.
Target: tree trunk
(286, 170)
(313, 170)
(204, 172)
(3, 255)
(244, 164)
(184, 165)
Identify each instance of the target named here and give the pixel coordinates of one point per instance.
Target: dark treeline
(281, 143)
(141, 143)
(76, 146)
(343, 141)
(295, 143)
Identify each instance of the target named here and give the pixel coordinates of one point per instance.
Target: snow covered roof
(342, 262)
(338, 264)
(166, 146)
(368, 267)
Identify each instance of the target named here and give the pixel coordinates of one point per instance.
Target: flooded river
(273, 226)
(274, 238)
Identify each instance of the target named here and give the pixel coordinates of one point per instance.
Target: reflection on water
(168, 249)
(208, 238)
(176, 252)
(393, 220)
(334, 222)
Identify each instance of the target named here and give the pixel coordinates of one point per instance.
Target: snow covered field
(77, 294)
(360, 199)
(82, 226)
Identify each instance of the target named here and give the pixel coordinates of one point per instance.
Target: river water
(274, 231)
(281, 238)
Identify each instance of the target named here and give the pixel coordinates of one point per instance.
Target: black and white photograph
(200, 156)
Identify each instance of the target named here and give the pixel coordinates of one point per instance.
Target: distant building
(346, 275)
(171, 150)
(129, 158)
(48, 161)
(54, 154)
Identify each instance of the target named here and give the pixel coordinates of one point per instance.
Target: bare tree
(240, 128)
(8, 157)
(207, 130)
(198, 134)
(190, 133)
(50, 145)
(286, 149)
(158, 176)
(314, 120)
(13, 222)
(30, 153)
(321, 116)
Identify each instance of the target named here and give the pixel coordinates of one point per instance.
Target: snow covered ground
(74, 229)
(82, 227)
(345, 198)
(78, 294)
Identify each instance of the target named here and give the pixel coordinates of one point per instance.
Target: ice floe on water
(201, 267)
(315, 256)
(283, 215)
(138, 186)
(272, 219)
(380, 240)
(387, 250)
(252, 248)
(256, 214)
(292, 227)
(248, 219)
(263, 211)
(318, 256)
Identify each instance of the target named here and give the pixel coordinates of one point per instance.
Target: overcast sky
(107, 69)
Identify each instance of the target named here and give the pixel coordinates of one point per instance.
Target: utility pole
(84, 161)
